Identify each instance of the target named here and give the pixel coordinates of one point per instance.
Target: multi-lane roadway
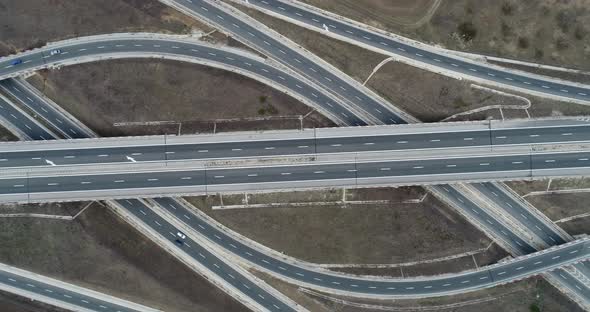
(291, 143)
(183, 178)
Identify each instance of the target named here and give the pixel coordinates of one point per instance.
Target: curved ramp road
(391, 45)
(410, 287)
(129, 46)
(289, 143)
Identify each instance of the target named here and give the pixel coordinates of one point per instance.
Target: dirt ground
(104, 93)
(63, 209)
(6, 135)
(546, 31)
(101, 252)
(378, 12)
(370, 233)
(23, 28)
(530, 295)
(14, 303)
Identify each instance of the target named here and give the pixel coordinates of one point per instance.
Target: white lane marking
(484, 164)
(508, 78)
(546, 87)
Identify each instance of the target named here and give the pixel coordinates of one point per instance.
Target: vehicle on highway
(16, 62)
(54, 52)
(180, 237)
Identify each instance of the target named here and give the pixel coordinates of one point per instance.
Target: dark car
(16, 62)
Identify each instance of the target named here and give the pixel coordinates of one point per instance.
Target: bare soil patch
(546, 31)
(368, 233)
(26, 24)
(62, 209)
(558, 206)
(6, 135)
(101, 252)
(378, 12)
(130, 93)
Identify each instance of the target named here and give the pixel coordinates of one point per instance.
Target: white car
(54, 52)
(180, 237)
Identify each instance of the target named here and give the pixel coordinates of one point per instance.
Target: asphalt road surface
(284, 147)
(450, 168)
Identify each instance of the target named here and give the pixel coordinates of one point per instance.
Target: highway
(290, 143)
(394, 46)
(421, 287)
(359, 123)
(129, 46)
(350, 172)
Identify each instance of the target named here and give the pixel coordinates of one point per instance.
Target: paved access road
(351, 173)
(121, 46)
(286, 143)
(431, 286)
(207, 259)
(441, 60)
